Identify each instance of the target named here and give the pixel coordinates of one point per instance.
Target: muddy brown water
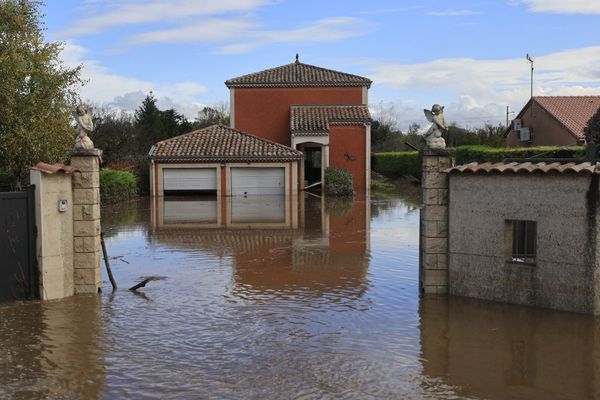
(327, 309)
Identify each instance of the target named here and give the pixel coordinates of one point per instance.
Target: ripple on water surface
(328, 310)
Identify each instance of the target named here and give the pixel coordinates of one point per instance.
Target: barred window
(522, 241)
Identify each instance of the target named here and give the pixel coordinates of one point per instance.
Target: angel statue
(85, 125)
(433, 135)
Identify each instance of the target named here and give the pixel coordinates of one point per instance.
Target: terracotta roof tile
(54, 168)
(527, 167)
(297, 74)
(571, 111)
(221, 143)
(315, 119)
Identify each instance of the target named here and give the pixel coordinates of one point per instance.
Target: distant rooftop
(573, 112)
(297, 74)
(315, 119)
(221, 143)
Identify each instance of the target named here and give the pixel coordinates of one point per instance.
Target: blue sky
(467, 55)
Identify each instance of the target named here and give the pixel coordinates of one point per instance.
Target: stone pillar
(433, 256)
(86, 221)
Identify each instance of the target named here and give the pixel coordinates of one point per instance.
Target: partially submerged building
(223, 161)
(523, 233)
(321, 112)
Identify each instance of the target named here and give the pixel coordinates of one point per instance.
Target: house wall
(564, 207)
(547, 131)
(265, 112)
(348, 149)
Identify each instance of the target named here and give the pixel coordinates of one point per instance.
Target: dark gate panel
(18, 269)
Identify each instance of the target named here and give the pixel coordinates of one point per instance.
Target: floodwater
(285, 299)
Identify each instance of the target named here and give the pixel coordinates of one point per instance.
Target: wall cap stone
(437, 152)
(84, 152)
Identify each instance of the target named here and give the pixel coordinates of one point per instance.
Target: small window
(521, 241)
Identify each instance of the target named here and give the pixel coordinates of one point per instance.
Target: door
(257, 181)
(192, 180)
(18, 268)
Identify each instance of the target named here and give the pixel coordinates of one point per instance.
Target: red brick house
(321, 112)
(552, 121)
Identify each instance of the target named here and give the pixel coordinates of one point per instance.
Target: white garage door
(192, 179)
(257, 181)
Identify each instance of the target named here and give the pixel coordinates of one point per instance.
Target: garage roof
(221, 143)
(313, 119)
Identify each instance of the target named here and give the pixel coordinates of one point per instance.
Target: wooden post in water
(433, 232)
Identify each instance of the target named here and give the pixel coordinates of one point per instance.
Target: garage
(257, 181)
(223, 161)
(190, 180)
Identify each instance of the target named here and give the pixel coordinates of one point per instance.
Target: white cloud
(327, 29)
(242, 35)
(478, 91)
(453, 13)
(210, 31)
(116, 91)
(564, 6)
(110, 15)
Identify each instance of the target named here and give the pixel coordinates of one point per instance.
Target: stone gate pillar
(433, 240)
(86, 221)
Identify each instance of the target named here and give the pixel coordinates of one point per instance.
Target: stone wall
(86, 221)
(434, 222)
(68, 240)
(565, 209)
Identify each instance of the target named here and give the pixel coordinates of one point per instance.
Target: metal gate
(18, 267)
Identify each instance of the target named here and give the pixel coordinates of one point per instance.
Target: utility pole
(508, 112)
(530, 59)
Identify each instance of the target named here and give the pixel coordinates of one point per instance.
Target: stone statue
(85, 125)
(433, 135)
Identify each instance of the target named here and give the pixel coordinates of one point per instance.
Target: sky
(466, 55)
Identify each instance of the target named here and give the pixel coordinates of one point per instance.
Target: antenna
(531, 60)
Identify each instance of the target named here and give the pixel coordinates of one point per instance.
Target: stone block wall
(433, 269)
(86, 221)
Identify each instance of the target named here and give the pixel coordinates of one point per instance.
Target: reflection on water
(499, 351)
(322, 303)
(220, 212)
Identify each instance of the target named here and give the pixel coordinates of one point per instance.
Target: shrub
(116, 186)
(396, 165)
(338, 182)
(481, 154)
(140, 167)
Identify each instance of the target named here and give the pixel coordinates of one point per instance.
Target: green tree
(592, 128)
(37, 92)
(217, 113)
(114, 133)
(148, 122)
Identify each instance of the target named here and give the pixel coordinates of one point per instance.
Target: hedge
(481, 154)
(408, 163)
(396, 165)
(338, 182)
(116, 186)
